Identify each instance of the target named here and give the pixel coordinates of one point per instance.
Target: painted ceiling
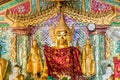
(24, 6)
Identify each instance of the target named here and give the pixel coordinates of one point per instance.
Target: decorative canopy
(96, 12)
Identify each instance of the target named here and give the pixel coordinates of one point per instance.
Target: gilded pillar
(38, 5)
(97, 38)
(13, 48)
(83, 6)
(30, 5)
(23, 43)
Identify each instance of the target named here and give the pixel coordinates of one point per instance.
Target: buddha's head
(62, 34)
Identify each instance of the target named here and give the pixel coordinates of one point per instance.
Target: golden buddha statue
(62, 34)
(3, 67)
(16, 74)
(57, 63)
(34, 64)
(88, 63)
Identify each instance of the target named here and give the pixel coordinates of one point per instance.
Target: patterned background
(42, 35)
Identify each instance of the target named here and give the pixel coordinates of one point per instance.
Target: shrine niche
(59, 40)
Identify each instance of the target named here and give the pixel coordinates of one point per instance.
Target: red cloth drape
(116, 67)
(65, 60)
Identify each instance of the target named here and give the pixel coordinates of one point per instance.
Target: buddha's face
(61, 37)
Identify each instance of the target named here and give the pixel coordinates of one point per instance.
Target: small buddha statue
(16, 74)
(62, 59)
(88, 63)
(109, 75)
(34, 65)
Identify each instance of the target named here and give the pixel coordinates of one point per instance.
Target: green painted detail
(80, 5)
(22, 48)
(4, 25)
(115, 24)
(113, 2)
(98, 42)
(44, 4)
(10, 4)
(118, 47)
(75, 4)
(115, 21)
(87, 5)
(34, 5)
(1, 18)
(82, 24)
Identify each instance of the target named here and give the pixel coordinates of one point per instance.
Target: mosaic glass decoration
(88, 5)
(33, 5)
(98, 44)
(5, 43)
(98, 6)
(113, 2)
(10, 4)
(118, 47)
(81, 33)
(115, 22)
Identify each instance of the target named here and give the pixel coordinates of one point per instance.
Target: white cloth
(109, 72)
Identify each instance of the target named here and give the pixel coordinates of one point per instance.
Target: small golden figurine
(88, 63)
(16, 74)
(34, 64)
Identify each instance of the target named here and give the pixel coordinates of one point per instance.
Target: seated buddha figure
(62, 59)
(34, 65)
(88, 63)
(3, 67)
(16, 74)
